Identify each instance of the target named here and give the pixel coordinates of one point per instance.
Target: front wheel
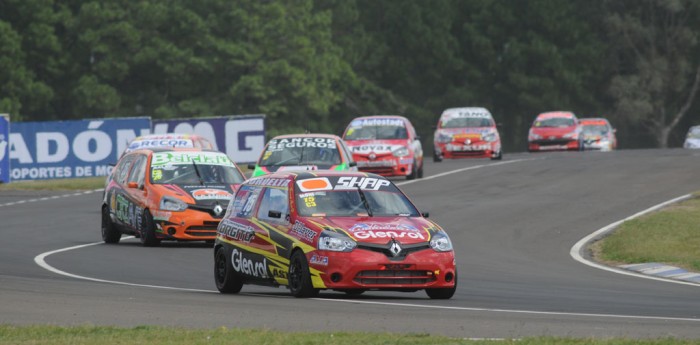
(414, 172)
(498, 157)
(299, 276)
(148, 231)
(420, 170)
(437, 157)
(227, 280)
(442, 293)
(110, 234)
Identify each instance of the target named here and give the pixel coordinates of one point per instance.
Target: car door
(118, 203)
(135, 190)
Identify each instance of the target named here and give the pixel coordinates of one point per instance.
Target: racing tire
(499, 157)
(420, 170)
(110, 233)
(299, 277)
(414, 172)
(442, 293)
(148, 231)
(226, 279)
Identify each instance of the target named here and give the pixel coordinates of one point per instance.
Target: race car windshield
(376, 132)
(556, 122)
(595, 129)
(301, 156)
(461, 122)
(186, 174)
(349, 203)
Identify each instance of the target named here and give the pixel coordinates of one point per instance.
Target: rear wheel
(227, 280)
(148, 231)
(299, 276)
(420, 170)
(110, 234)
(442, 293)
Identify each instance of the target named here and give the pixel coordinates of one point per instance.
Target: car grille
(552, 142)
(384, 249)
(394, 277)
(208, 209)
(468, 153)
(207, 229)
(377, 170)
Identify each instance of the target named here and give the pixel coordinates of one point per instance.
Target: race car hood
(553, 131)
(465, 130)
(275, 168)
(200, 195)
(380, 230)
(364, 147)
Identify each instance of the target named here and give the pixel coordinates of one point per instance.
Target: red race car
(345, 231)
(557, 130)
(385, 145)
(466, 132)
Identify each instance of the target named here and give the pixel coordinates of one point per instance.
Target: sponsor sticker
(268, 182)
(319, 260)
(183, 158)
(237, 231)
(300, 230)
(248, 266)
(377, 122)
(382, 226)
(281, 144)
(314, 184)
(368, 183)
(210, 194)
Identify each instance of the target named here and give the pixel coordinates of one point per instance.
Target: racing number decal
(310, 201)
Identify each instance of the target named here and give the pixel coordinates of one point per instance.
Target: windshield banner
(4, 148)
(242, 138)
(79, 148)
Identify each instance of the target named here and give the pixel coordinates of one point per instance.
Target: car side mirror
(251, 166)
(352, 164)
(425, 214)
(274, 214)
(132, 185)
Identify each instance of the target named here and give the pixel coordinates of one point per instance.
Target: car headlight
(168, 203)
(534, 136)
(444, 138)
(441, 242)
(490, 137)
(335, 242)
(400, 152)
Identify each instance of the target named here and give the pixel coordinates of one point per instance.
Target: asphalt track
(512, 225)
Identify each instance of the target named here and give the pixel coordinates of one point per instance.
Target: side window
(245, 200)
(138, 171)
(275, 199)
(122, 170)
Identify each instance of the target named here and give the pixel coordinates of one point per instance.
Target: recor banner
(4, 148)
(242, 137)
(80, 148)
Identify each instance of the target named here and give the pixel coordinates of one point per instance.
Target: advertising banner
(80, 148)
(4, 148)
(242, 138)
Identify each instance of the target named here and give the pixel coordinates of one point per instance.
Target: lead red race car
(555, 130)
(330, 230)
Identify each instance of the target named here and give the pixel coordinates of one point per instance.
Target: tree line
(313, 65)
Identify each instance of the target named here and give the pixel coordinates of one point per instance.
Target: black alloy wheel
(299, 277)
(227, 280)
(148, 231)
(110, 233)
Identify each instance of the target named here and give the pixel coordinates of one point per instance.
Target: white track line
(579, 247)
(41, 261)
(51, 197)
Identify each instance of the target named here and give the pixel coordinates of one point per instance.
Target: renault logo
(217, 210)
(395, 248)
(372, 156)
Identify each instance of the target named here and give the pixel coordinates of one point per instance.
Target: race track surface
(512, 224)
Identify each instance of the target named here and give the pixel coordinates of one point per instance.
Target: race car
(598, 134)
(343, 231)
(303, 152)
(466, 132)
(556, 130)
(386, 145)
(692, 139)
(168, 194)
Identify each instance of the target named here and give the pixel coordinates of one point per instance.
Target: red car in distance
(556, 130)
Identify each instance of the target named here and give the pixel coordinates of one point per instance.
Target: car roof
(594, 120)
(381, 117)
(307, 135)
(557, 114)
(172, 149)
(301, 175)
(448, 110)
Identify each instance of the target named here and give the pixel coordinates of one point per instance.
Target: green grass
(161, 335)
(670, 236)
(85, 183)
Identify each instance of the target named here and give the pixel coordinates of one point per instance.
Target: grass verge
(162, 335)
(84, 183)
(670, 236)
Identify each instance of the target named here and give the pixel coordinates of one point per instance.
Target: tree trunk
(664, 134)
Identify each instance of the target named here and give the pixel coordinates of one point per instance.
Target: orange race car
(168, 194)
